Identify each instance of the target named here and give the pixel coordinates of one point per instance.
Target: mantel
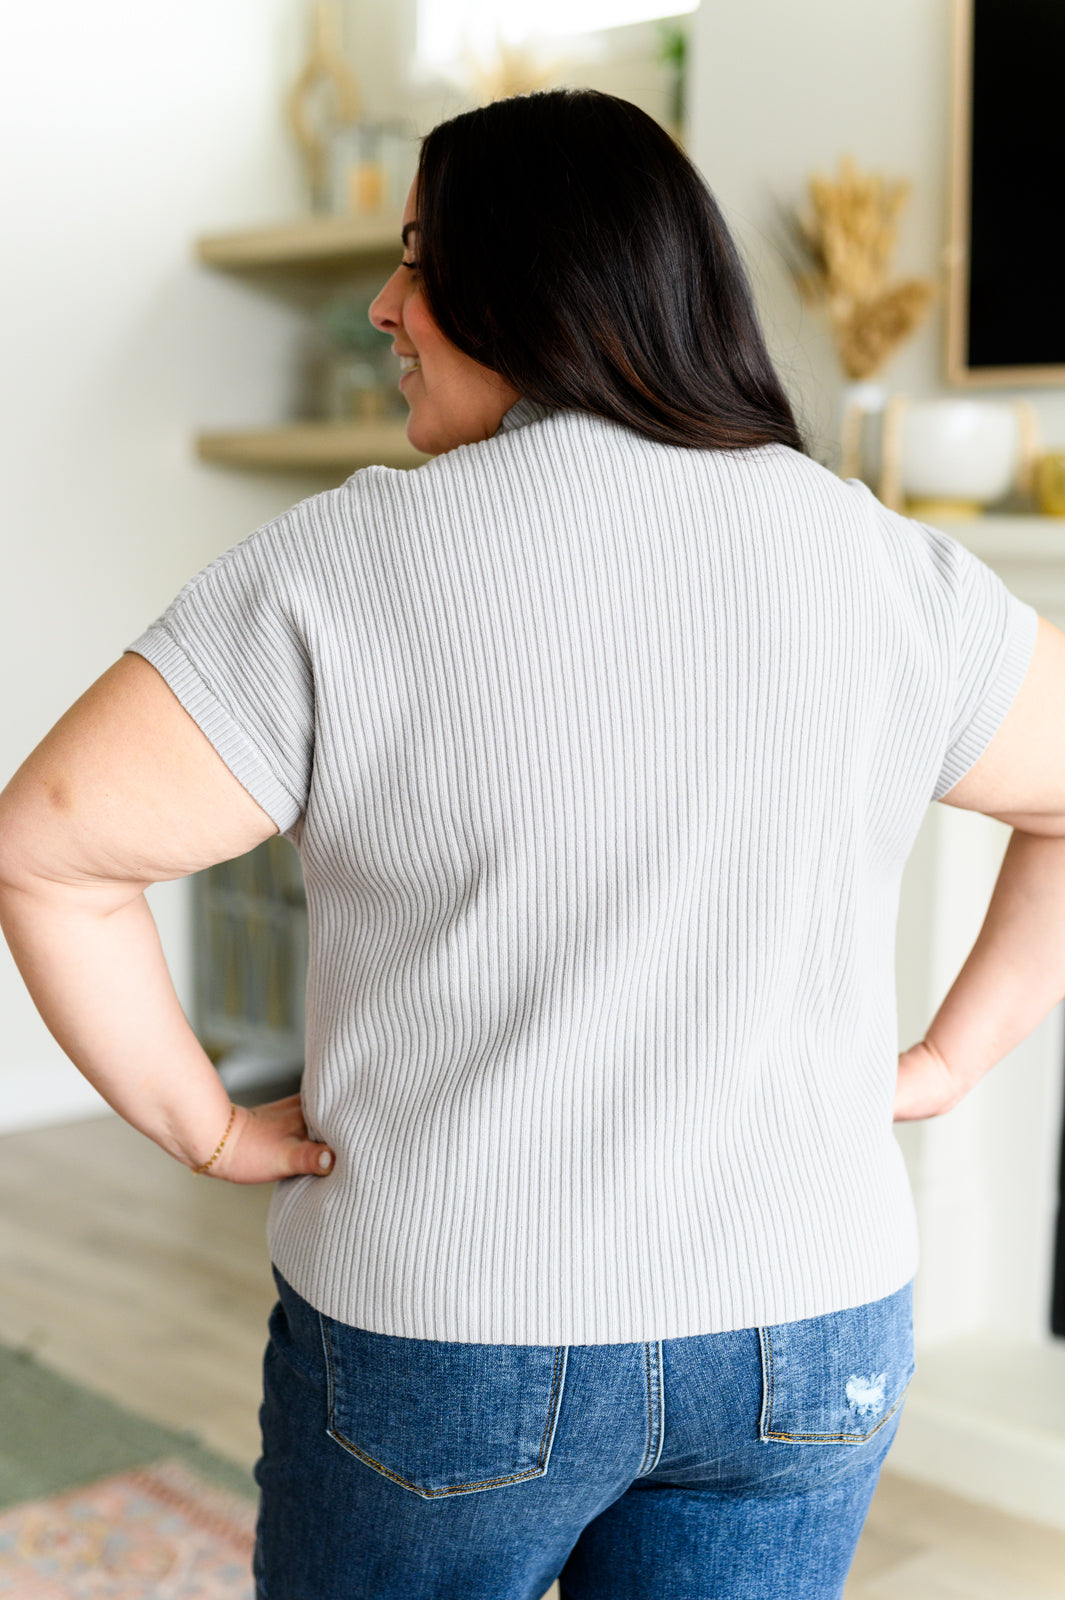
(1027, 552)
(1012, 539)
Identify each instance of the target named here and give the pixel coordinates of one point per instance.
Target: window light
(446, 28)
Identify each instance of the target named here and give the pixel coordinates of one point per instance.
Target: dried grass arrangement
(842, 260)
(507, 69)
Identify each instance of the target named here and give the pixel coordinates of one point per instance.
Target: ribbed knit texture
(603, 758)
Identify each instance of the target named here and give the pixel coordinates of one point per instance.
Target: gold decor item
(323, 98)
(841, 258)
(1049, 476)
(847, 243)
(507, 69)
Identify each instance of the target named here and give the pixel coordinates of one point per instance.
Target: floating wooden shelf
(314, 243)
(299, 258)
(329, 446)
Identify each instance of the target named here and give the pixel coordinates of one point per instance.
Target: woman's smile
(407, 365)
(461, 400)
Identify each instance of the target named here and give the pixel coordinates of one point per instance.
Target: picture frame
(962, 370)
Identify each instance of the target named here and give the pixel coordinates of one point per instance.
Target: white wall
(128, 127)
(782, 89)
(779, 91)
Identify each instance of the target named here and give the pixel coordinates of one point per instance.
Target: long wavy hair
(566, 242)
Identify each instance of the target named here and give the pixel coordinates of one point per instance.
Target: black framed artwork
(1006, 311)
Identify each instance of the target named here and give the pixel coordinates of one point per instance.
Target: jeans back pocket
(441, 1417)
(838, 1378)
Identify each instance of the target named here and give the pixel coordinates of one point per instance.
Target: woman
(604, 737)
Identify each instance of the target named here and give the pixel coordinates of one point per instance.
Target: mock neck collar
(522, 411)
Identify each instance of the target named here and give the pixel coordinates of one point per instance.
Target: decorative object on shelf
(673, 55)
(323, 99)
(951, 458)
(862, 430)
(1049, 476)
(504, 68)
(848, 243)
(358, 370)
(372, 165)
(841, 254)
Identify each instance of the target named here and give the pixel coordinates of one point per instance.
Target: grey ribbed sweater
(603, 758)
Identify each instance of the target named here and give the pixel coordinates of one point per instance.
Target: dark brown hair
(566, 242)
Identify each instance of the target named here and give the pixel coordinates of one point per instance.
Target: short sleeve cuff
(241, 756)
(1022, 623)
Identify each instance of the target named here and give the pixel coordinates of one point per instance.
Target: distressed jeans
(723, 1466)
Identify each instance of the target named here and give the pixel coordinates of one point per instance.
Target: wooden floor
(136, 1279)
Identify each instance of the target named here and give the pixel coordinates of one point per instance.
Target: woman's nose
(385, 312)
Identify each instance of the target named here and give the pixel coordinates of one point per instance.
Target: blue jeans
(724, 1466)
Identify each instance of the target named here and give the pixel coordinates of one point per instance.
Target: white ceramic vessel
(959, 453)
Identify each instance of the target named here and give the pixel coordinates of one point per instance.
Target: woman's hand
(926, 1086)
(269, 1142)
(127, 791)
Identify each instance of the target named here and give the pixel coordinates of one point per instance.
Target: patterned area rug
(154, 1533)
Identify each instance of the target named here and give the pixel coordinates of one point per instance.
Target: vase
(952, 458)
(352, 389)
(860, 431)
(372, 165)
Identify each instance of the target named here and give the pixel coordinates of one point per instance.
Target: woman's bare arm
(1015, 973)
(123, 792)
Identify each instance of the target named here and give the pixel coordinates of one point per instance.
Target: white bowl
(964, 450)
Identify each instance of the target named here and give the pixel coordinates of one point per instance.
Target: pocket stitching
(766, 1420)
(462, 1488)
